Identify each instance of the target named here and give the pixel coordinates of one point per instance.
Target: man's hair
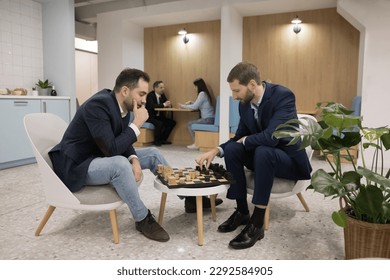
(156, 84)
(129, 77)
(244, 72)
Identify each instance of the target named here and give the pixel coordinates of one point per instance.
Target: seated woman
(203, 104)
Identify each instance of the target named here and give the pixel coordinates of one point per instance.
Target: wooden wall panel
(167, 58)
(319, 64)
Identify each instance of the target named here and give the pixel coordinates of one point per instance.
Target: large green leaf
(351, 177)
(386, 140)
(342, 122)
(324, 183)
(369, 203)
(308, 131)
(375, 177)
(340, 218)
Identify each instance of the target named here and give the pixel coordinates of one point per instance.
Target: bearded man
(263, 106)
(97, 147)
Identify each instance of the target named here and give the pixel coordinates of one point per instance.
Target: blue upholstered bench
(146, 137)
(234, 115)
(207, 135)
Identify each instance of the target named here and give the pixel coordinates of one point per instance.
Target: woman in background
(203, 104)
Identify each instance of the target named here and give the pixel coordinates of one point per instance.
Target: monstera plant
(363, 190)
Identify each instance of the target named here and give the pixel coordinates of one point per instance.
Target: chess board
(197, 177)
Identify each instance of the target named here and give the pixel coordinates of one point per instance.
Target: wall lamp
(184, 33)
(297, 27)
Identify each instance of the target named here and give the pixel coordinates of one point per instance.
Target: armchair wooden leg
(266, 217)
(302, 200)
(162, 208)
(44, 220)
(114, 225)
(199, 219)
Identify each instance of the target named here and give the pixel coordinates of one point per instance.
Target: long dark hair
(201, 86)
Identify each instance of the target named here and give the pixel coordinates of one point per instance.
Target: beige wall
(167, 58)
(86, 75)
(319, 64)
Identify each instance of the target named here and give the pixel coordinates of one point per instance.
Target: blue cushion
(205, 127)
(148, 125)
(356, 105)
(209, 127)
(234, 115)
(145, 125)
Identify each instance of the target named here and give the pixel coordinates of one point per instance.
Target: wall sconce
(297, 27)
(184, 33)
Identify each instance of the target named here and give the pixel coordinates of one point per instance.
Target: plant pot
(44, 91)
(366, 240)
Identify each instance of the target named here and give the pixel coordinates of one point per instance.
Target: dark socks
(257, 218)
(242, 206)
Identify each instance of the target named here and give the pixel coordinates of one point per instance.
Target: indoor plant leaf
(340, 218)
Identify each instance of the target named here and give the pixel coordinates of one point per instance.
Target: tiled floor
(294, 234)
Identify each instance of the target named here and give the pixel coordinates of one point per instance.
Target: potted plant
(363, 191)
(44, 87)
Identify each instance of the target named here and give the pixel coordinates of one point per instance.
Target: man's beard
(248, 97)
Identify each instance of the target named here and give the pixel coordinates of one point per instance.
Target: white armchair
(282, 187)
(44, 131)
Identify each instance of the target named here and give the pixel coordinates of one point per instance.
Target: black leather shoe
(247, 238)
(190, 203)
(165, 142)
(151, 229)
(157, 143)
(234, 221)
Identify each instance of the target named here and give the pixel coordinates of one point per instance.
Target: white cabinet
(15, 148)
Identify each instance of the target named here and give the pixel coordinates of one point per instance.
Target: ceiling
(86, 11)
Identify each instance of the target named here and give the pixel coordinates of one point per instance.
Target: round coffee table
(198, 193)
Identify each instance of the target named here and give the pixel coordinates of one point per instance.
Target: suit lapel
(263, 104)
(251, 122)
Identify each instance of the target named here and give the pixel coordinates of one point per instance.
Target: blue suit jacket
(276, 107)
(97, 130)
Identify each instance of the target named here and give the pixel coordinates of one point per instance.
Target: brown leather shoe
(151, 229)
(190, 203)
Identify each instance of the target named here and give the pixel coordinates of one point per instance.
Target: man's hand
(137, 171)
(140, 114)
(207, 158)
(241, 140)
(167, 103)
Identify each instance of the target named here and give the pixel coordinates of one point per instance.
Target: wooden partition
(319, 64)
(167, 58)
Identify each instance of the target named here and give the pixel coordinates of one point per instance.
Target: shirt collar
(256, 106)
(123, 113)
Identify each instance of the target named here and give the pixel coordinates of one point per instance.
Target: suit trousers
(163, 127)
(266, 162)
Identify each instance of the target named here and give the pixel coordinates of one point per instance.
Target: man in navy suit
(263, 106)
(163, 125)
(97, 149)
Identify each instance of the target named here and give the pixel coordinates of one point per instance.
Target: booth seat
(234, 115)
(207, 135)
(146, 137)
